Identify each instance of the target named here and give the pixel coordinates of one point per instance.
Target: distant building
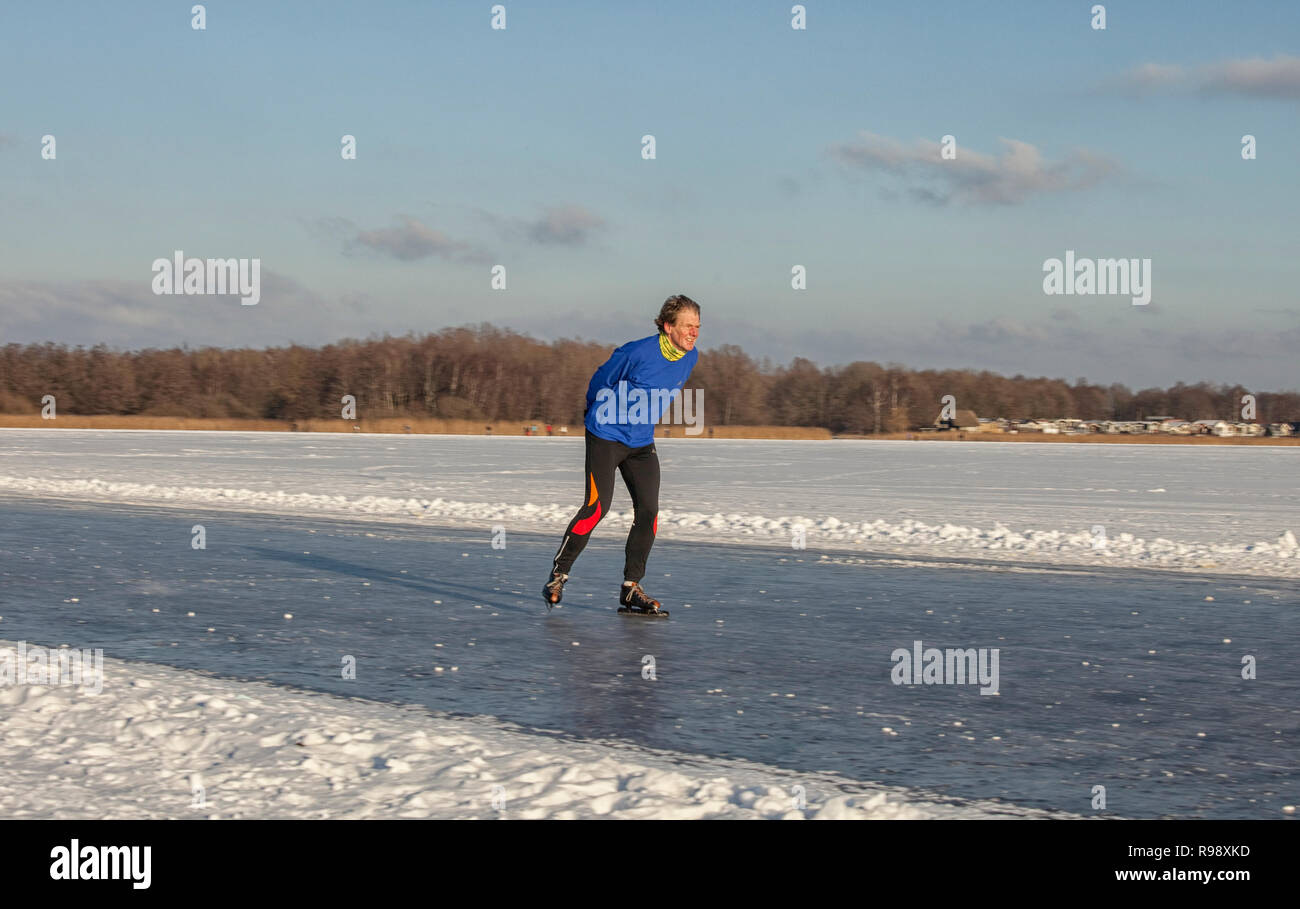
(1063, 424)
(1219, 428)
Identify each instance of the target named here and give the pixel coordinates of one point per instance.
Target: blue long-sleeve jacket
(628, 394)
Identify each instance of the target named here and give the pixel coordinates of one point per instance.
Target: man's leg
(641, 474)
(598, 489)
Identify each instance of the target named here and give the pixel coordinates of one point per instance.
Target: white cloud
(974, 178)
(127, 314)
(410, 240)
(1253, 77)
(567, 225)
(1276, 78)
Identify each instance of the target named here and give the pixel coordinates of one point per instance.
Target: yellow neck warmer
(667, 348)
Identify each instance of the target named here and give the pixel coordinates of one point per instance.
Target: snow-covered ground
(163, 743)
(1200, 509)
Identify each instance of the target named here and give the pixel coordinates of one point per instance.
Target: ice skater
(625, 399)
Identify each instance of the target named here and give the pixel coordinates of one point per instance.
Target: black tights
(640, 469)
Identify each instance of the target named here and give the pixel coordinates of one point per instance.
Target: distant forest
(497, 375)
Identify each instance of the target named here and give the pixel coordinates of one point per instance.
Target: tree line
(499, 376)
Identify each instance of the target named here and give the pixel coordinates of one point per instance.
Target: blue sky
(775, 147)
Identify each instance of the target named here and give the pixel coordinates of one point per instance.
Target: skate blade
(660, 614)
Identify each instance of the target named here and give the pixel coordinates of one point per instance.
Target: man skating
(620, 436)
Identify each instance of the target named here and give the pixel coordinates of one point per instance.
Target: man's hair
(672, 308)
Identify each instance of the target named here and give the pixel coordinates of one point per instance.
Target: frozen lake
(1115, 674)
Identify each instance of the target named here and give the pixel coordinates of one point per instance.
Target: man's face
(684, 331)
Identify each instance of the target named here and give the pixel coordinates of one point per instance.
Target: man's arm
(608, 375)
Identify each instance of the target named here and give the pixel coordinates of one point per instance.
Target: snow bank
(159, 742)
(1279, 557)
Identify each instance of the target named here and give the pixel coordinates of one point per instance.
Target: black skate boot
(635, 602)
(553, 592)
